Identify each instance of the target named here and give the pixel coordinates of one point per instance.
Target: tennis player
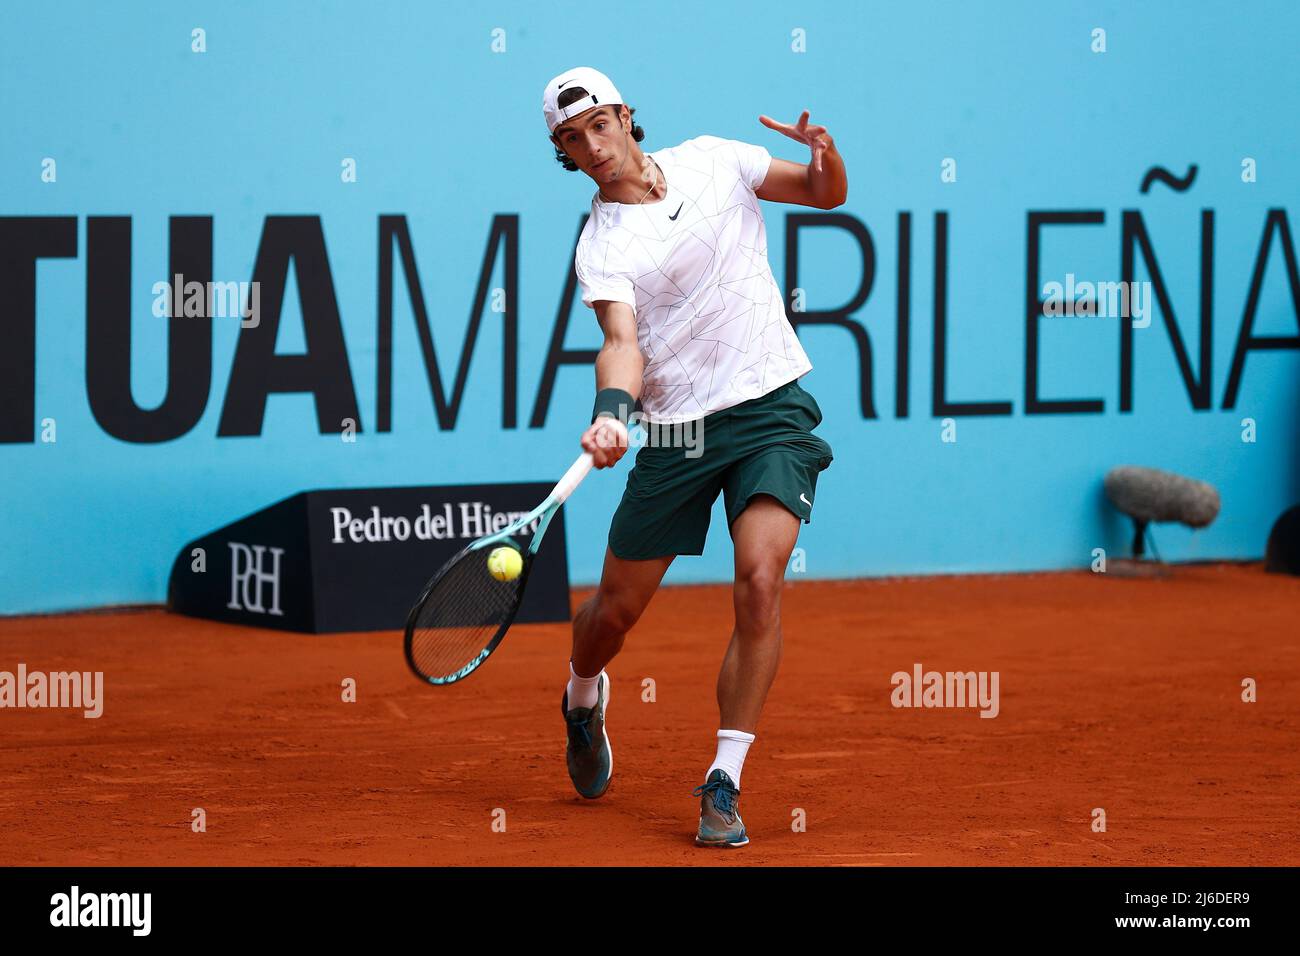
(698, 348)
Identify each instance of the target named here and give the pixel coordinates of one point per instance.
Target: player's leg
(664, 512)
(769, 489)
(603, 620)
(599, 627)
(764, 536)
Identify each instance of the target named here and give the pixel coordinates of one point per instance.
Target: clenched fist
(606, 439)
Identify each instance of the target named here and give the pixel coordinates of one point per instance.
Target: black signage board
(356, 559)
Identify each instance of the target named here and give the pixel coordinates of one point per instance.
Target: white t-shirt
(711, 322)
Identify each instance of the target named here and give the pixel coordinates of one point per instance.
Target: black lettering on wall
(1247, 341)
(1034, 311)
(108, 331)
(323, 369)
(1134, 233)
(505, 228)
(940, 405)
(840, 316)
(556, 353)
(23, 240)
(902, 335)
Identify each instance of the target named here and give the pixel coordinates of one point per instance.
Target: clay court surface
(1120, 694)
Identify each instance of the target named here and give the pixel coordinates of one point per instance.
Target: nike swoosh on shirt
(804, 500)
(674, 215)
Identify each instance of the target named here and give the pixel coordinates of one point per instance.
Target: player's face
(596, 142)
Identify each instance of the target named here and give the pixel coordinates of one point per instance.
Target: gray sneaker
(720, 823)
(590, 758)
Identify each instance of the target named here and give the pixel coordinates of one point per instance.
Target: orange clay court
(1119, 694)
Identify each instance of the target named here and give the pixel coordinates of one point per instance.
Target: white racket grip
(572, 478)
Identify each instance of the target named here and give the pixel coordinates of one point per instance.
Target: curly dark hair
(576, 93)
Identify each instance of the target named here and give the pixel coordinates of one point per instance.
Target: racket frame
(542, 514)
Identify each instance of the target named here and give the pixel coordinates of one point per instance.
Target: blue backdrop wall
(977, 137)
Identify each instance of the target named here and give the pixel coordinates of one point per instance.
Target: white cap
(600, 92)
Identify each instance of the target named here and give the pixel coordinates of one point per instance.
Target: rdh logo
(249, 578)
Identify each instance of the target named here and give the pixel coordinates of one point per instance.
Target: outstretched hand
(815, 137)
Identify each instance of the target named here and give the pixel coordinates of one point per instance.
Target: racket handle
(572, 478)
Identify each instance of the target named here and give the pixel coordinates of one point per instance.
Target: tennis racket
(463, 613)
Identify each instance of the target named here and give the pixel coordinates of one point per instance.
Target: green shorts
(762, 446)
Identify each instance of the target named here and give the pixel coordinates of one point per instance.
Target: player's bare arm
(821, 183)
(618, 365)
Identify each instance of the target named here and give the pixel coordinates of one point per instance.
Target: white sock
(583, 691)
(732, 747)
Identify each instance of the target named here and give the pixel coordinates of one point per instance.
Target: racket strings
(460, 616)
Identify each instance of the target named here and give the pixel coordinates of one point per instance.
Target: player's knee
(761, 579)
(758, 590)
(614, 615)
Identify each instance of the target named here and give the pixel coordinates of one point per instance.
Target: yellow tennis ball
(504, 564)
